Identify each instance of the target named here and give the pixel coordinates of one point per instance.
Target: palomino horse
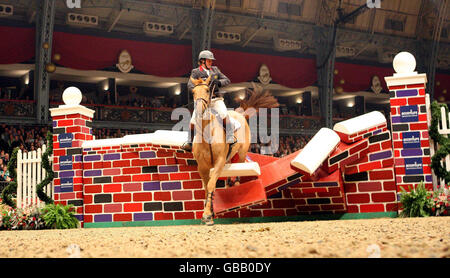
(209, 146)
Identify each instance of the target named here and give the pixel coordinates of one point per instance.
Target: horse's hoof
(208, 220)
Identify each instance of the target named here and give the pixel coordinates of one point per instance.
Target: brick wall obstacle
(148, 177)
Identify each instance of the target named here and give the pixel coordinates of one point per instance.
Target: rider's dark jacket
(201, 72)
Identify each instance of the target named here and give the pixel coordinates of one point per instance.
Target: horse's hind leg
(211, 187)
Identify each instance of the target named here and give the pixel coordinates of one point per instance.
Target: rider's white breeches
(218, 105)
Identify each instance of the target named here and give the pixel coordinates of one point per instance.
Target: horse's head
(201, 94)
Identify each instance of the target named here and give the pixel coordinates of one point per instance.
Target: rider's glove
(215, 80)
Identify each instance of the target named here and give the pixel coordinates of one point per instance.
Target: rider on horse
(218, 79)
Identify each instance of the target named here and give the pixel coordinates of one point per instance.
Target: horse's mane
(257, 98)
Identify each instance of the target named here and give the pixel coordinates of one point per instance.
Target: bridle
(205, 101)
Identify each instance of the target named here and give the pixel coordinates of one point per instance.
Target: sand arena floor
(384, 237)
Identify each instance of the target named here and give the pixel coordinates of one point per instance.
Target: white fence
(29, 174)
(444, 130)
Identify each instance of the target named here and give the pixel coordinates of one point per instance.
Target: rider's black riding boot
(188, 145)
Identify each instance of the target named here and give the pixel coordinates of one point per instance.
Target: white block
(316, 151)
(64, 109)
(360, 123)
(159, 137)
(240, 170)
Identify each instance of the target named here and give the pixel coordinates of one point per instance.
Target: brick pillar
(409, 125)
(72, 125)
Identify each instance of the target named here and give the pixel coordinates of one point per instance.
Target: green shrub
(417, 202)
(60, 217)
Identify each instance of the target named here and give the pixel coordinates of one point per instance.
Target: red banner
(17, 44)
(85, 52)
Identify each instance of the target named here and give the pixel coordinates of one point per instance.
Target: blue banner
(65, 140)
(409, 113)
(413, 166)
(411, 140)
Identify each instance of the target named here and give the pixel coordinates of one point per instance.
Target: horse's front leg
(208, 213)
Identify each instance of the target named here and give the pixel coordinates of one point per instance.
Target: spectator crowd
(285, 145)
(27, 138)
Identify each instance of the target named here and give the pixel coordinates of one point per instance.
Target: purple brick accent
(284, 186)
(111, 156)
(90, 173)
(407, 93)
(147, 154)
(428, 178)
(411, 152)
(167, 169)
(143, 216)
(376, 131)
(79, 217)
(396, 119)
(95, 157)
(103, 218)
(153, 185)
(66, 174)
(57, 189)
(380, 155)
(87, 149)
(54, 123)
(171, 185)
(323, 184)
(78, 158)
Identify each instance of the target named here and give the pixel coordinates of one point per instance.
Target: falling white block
(159, 137)
(316, 151)
(361, 123)
(240, 170)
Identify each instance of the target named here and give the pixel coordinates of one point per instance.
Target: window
(291, 9)
(235, 3)
(444, 33)
(229, 3)
(395, 25)
(255, 4)
(283, 8)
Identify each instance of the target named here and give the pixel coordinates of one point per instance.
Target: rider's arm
(223, 79)
(195, 75)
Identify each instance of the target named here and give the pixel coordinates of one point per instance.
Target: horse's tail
(256, 99)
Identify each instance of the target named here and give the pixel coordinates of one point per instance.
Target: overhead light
(6, 10)
(350, 104)
(345, 51)
(26, 78)
(84, 20)
(286, 45)
(105, 85)
(228, 37)
(154, 28)
(299, 100)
